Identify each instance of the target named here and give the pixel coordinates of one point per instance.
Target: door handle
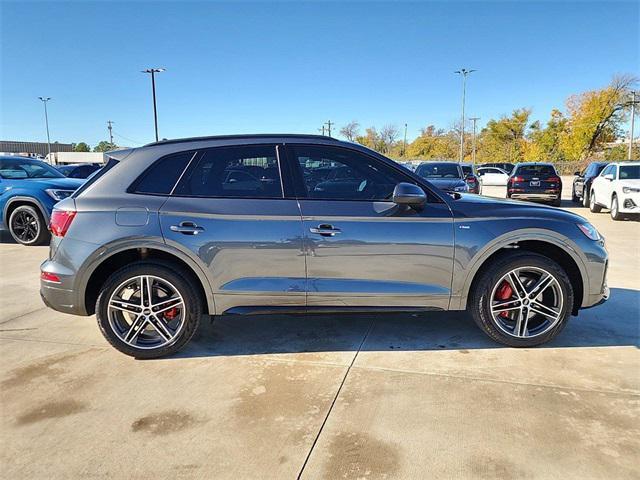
(325, 230)
(187, 228)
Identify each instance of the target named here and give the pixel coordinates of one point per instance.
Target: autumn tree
(544, 144)
(595, 118)
(350, 131)
(503, 140)
(434, 143)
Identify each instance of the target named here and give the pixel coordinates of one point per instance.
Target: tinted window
(161, 177)
(343, 174)
(16, 168)
(439, 170)
(467, 170)
(230, 172)
(629, 172)
(536, 170)
(608, 170)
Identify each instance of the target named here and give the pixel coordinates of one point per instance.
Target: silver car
(299, 223)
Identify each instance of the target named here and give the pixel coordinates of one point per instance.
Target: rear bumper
(535, 195)
(59, 299)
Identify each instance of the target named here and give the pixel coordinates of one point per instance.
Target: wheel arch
(546, 245)
(20, 200)
(100, 268)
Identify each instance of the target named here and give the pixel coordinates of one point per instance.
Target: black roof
(243, 136)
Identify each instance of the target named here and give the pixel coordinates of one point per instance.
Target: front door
(363, 250)
(230, 210)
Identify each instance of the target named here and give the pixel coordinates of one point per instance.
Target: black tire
(615, 209)
(585, 198)
(556, 203)
(178, 278)
(36, 233)
(593, 206)
(479, 301)
(574, 197)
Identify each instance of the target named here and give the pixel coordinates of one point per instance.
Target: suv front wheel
(27, 226)
(522, 300)
(148, 309)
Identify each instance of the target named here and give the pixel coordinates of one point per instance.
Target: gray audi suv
(250, 224)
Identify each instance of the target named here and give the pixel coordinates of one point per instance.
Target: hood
(61, 183)
(446, 183)
(474, 206)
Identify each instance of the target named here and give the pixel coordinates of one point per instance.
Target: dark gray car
(293, 223)
(447, 176)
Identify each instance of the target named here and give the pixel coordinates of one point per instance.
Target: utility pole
(322, 129)
(464, 72)
(473, 151)
(109, 127)
(633, 114)
(46, 121)
(153, 72)
(404, 144)
(329, 126)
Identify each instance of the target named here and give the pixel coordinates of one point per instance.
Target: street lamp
(473, 139)
(46, 121)
(153, 72)
(464, 72)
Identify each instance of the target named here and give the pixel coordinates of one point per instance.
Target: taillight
(554, 179)
(49, 277)
(61, 221)
(517, 179)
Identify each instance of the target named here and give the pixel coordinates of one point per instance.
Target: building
(33, 149)
(57, 158)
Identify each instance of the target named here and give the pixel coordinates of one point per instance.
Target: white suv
(618, 189)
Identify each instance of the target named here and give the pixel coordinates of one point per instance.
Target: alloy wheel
(146, 312)
(25, 226)
(527, 302)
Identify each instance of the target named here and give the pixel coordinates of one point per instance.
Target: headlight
(58, 195)
(461, 188)
(630, 190)
(589, 231)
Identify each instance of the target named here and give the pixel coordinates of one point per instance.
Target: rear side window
(234, 172)
(536, 170)
(161, 177)
(112, 162)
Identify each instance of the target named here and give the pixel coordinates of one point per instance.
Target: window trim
(301, 191)
(201, 152)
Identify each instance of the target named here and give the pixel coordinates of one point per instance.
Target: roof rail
(241, 136)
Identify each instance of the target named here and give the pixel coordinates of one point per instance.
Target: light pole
(473, 151)
(46, 121)
(464, 72)
(153, 72)
(633, 114)
(404, 144)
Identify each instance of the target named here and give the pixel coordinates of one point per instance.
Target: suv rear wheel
(148, 309)
(28, 227)
(522, 300)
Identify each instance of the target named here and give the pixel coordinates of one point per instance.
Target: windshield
(439, 170)
(630, 172)
(23, 168)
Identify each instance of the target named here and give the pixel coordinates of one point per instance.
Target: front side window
(607, 171)
(629, 172)
(342, 174)
(234, 172)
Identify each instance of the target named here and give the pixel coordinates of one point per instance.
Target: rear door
(231, 210)
(362, 249)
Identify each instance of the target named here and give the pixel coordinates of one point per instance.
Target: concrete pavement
(362, 396)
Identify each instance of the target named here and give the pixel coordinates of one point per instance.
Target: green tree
(544, 143)
(104, 146)
(504, 140)
(434, 143)
(81, 147)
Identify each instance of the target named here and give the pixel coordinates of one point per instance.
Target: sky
(288, 67)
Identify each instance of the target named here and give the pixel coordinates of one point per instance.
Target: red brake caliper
(171, 314)
(504, 293)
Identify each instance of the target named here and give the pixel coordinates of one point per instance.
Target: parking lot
(360, 396)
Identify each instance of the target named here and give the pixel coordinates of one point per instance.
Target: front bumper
(629, 203)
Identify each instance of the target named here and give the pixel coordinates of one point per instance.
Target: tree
(81, 147)
(434, 143)
(545, 142)
(371, 139)
(595, 118)
(388, 135)
(350, 131)
(104, 146)
(504, 140)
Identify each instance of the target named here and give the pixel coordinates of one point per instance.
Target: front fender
(41, 203)
(466, 266)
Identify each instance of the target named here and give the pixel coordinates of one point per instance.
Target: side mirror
(409, 194)
(609, 176)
